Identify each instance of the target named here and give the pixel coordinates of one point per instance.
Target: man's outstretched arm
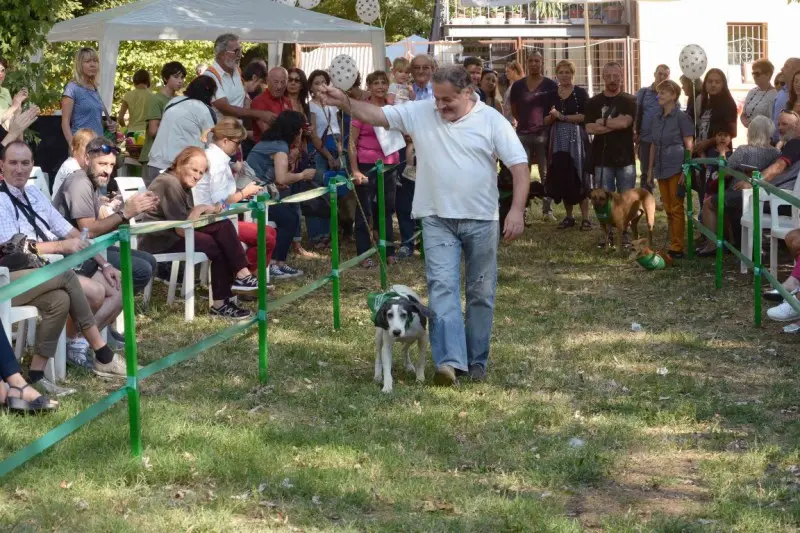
(363, 111)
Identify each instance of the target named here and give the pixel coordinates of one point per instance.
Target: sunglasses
(106, 149)
(235, 51)
(295, 80)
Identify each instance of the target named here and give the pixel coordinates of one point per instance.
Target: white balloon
(368, 10)
(343, 71)
(693, 61)
(309, 4)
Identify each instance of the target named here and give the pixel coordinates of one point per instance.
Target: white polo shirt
(457, 161)
(230, 87)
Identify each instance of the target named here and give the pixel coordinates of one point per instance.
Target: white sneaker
(116, 368)
(784, 312)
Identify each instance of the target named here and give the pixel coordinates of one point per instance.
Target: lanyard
(27, 210)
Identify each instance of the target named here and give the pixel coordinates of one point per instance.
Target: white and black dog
(404, 319)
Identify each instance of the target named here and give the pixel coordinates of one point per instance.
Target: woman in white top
(326, 137)
(218, 184)
(760, 101)
(78, 146)
(182, 125)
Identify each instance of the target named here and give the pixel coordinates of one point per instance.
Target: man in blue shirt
(791, 66)
(647, 108)
(422, 68)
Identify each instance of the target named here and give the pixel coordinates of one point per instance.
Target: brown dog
(620, 210)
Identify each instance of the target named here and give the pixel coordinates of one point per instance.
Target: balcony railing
(612, 12)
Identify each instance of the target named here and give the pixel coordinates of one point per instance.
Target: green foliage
(24, 24)
(399, 18)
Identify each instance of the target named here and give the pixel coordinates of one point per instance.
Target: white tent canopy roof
(204, 20)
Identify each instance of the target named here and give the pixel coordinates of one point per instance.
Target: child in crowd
(401, 92)
(722, 148)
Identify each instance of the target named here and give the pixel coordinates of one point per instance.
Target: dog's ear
(381, 320)
(421, 310)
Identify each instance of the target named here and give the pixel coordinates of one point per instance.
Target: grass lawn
(576, 428)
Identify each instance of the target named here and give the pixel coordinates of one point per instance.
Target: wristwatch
(105, 266)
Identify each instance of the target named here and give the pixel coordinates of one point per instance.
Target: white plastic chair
(747, 223)
(128, 186)
(781, 225)
(27, 316)
(40, 180)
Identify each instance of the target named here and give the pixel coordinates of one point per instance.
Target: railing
(135, 374)
(611, 12)
(719, 237)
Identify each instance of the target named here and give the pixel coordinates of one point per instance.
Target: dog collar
(375, 301)
(604, 213)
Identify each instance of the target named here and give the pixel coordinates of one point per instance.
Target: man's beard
(95, 179)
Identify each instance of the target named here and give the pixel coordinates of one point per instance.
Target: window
(746, 43)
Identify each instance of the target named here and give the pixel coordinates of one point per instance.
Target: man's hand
(112, 276)
(140, 203)
(359, 178)
(268, 117)
(332, 96)
(308, 174)
(739, 185)
(515, 224)
(73, 246)
(20, 97)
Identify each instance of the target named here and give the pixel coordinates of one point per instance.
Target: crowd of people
(234, 132)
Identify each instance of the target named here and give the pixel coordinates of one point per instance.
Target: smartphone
(681, 191)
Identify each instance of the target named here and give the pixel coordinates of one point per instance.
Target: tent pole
(587, 35)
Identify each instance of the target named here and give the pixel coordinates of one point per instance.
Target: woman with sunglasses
(218, 184)
(761, 98)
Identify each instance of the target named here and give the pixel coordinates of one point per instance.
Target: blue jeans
(403, 202)
(143, 265)
(444, 239)
(286, 218)
(318, 228)
(618, 179)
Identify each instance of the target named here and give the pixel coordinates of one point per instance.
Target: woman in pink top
(364, 151)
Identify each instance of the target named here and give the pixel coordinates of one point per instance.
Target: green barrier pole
(687, 172)
(720, 219)
(131, 357)
(334, 195)
(260, 209)
(382, 224)
(756, 252)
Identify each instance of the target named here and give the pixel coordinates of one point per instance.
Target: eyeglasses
(423, 67)
(235, 51)
(295, 80)
(106, 149)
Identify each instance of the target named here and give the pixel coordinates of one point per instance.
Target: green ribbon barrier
(48, 272)
(195, 349)
(305, 195)
(61, 431)
(299, 293)
(350, 263)
(783, 194)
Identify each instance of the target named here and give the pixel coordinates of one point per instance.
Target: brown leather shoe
(445, 376)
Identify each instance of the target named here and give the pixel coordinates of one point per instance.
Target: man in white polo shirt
(229, 100)
(457, 139)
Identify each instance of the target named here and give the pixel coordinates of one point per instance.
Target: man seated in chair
(24, 209)
(79, 200)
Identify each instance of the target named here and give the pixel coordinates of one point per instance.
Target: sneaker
(784, 312)
(445, 376)
(404, 252)
(48, 388)
(229, 309)
(78, 353)
(568, 222)
(116, 368)
(290, 272)
(477, 373)
(275, 273)
(245, 284)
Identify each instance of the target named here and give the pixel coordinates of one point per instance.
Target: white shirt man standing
(457, 138)
(229, 100)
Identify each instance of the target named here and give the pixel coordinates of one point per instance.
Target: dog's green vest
(604, 214)
(375, 301)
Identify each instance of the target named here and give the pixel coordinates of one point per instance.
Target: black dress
(567, 172)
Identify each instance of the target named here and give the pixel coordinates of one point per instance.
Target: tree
(24, 24)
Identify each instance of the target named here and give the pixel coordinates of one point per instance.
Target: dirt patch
(667, 483)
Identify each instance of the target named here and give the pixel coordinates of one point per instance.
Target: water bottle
(85, 234)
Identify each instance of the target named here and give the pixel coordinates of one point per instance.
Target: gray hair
(221, 43)
(760, 131)
(454, 74)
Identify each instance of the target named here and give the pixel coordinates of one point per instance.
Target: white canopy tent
(203, 20)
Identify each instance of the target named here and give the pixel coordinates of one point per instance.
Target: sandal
(568, 222)
(368, 263)
(586, 225)
(42, 403)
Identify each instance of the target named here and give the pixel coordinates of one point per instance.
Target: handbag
(20, 253)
